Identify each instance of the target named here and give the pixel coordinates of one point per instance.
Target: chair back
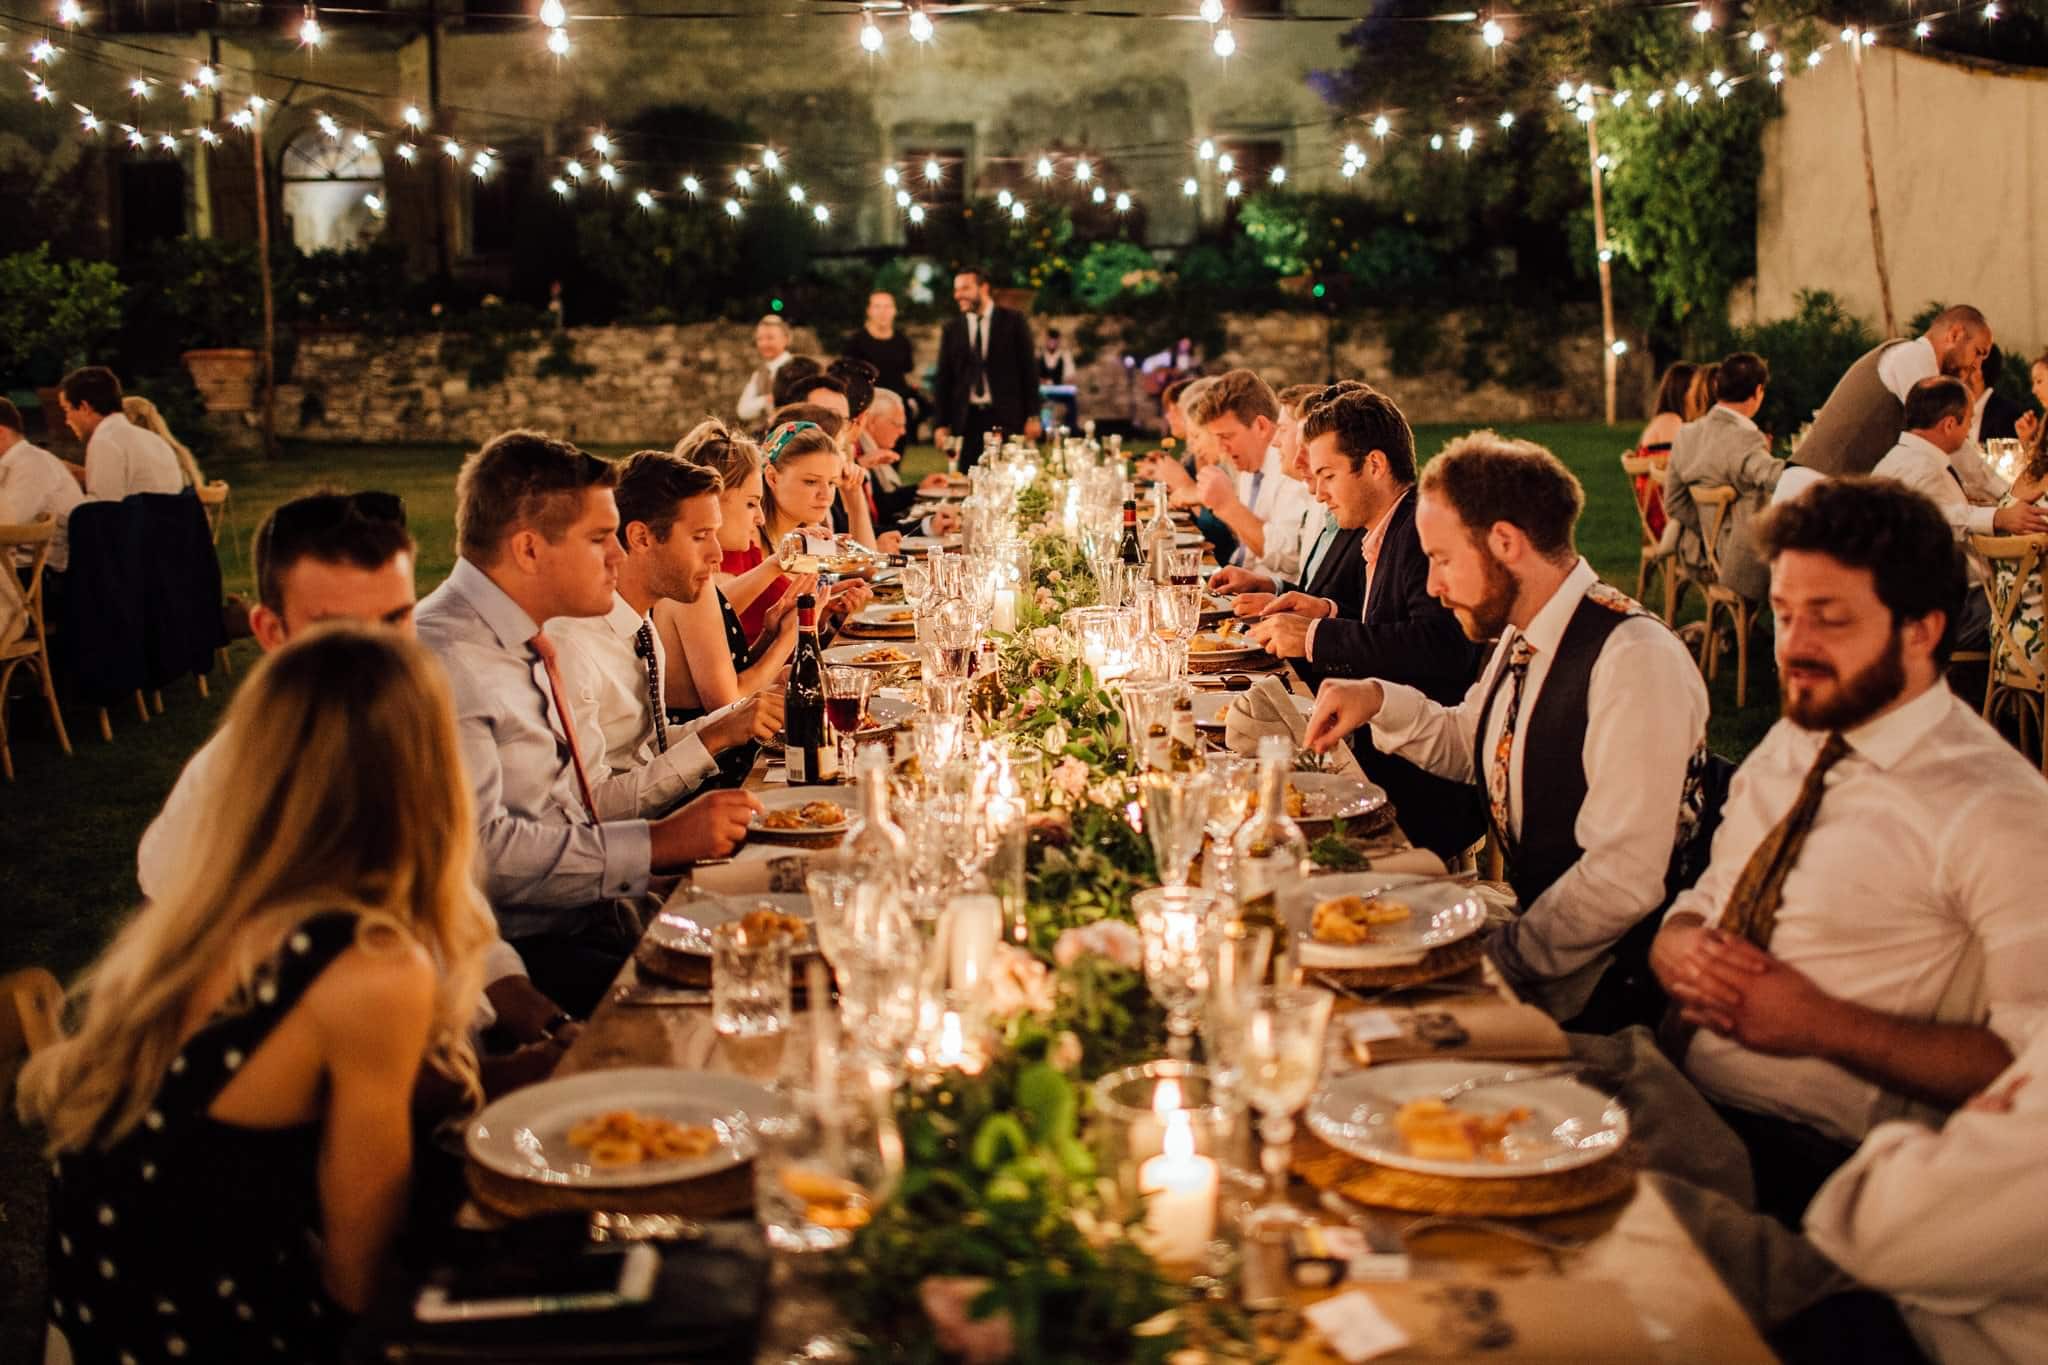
(34, 537)
(1638, 468)
(2010, 665)
(1714, 500)
(31, 1017)
(214, 498)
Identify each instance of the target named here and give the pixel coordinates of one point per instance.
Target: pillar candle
(1180, 1190)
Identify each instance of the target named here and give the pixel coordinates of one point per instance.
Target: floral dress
(2026, 619)
(196, 1240)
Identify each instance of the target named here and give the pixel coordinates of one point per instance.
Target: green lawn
(72, 823)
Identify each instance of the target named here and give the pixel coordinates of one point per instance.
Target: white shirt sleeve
(1900, 368)
(642, 790)
(1429, 734)
(753, 405)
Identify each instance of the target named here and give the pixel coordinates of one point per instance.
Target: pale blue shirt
(542, 857)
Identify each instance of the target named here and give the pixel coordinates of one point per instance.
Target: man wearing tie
(988, 374)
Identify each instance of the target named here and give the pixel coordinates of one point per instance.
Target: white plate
(789, 798)
(917, 545)
(1212, 656)
(1210, 706)
(877, 616)
(685, 923)
(1188, 539)
(1335, 796)
(525, 1135)
(854, 652)
(1442, 912)
(1570, 1124)
(1218, 607)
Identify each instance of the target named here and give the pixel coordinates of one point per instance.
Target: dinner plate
(1217, 607)
(1334, 796)
(525, 1135)
(1210, 706)
(1185, 539)
(857, 652)
(685, 923)
(790, 798)
(1570, 1124)
(917, 545)
(1231, 649)
(881, 616)
(1441, 912)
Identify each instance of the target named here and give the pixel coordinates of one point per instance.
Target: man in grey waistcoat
(1863, 417)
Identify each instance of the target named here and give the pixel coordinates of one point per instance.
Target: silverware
(1382, 1231)
(644, 1227)
(1510, 1077)
(662, 995)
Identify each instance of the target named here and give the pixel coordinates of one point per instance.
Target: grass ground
(69, 826)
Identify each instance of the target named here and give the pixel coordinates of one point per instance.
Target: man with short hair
(1240, 413)
(1866, 412)
(537, 537)
(1868, 937)
(1582, 734)
(878, 342)
(1724, 447)
(33, 484)
(877, 434)
(771, 342)
(120, 457)
(1362, 458)
(613, 665)
(987, 377)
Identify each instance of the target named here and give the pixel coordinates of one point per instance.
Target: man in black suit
(988, 371)
(1361, 458)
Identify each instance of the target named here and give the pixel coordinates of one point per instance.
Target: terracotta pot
(226, 377)
(1019, 299)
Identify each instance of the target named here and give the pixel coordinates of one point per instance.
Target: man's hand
(933, 483)
(757, 720)
(523, 1012)
(1300, 604)
(1170, 472)
(941, 435)
(710, 827)
(1250, 603)
(1284, 636)
(889, 542)
(2020, 519)
(1232, 579)
(880, 455)
(1216, 489)
(1342, 706)
(944, 522)
(1730, 986)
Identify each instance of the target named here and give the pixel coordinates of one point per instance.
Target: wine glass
(1175, 924)
(917, 582)
(846, 701)
(1232, 781)
(1175, 806)
(1235, 959)
(1280, 1053)
(1148, 721)
(828, 1161)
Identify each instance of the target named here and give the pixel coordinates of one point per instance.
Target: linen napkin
(1266, 708)
(1508, 1321)
(1452, 1026)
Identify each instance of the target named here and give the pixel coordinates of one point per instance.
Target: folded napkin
(1503, 1320)
(1267, 708)
(1454, 1026)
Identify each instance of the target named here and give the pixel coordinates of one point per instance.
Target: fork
(1509, 1077)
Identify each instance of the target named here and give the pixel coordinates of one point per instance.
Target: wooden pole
(269, 299)
(1608, 358)
(1884, 274)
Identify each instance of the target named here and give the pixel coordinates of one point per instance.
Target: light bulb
(1225, 43)
(891, 176)
(1436, 142)
(1352, 152)
(1492, 34)
(1380, 127)
(558, 41)
(452, 149)
(553, 14)
(1231, 189)
(1212, 11)
(917, 213)
(1619, 348)
(820, 213)
(309, 31)
(1225, 164)
(139, 88)
(744, 178)
(1813, 57)
(574, 170)
(903, 199)
(1098, 195)
(168, 143)
(1922, 29)
(1702, 19)
(1045, 168)
(69, 13)
(1756, 42)
(933, 171)
(1278, 175)
(1083, 171)
(870, 36)
(1207, 151)
(42, 51)
(920, 26)
(1564, 91)
(600, 144)
(732, 208)
(1465, 139)
(41, 92)
(796, 194)
(1017, 210)
(1003, 199)
(607, 172)
(406, 151)
(559, 185)
(206, 77)
(770, 161)
(1350, 169)
(1776, 78)
(209, 137)
(1506, 120)
(1123, 202)
(360, 142)
(644, 199)
(1189, 188)
(412, 116)
(189, 90)
(91, 124)
(692, 186)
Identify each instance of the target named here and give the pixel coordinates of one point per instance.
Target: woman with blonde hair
(144, 414)
(721, 660)
(231, 1125)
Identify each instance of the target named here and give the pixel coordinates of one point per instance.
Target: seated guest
(877, 342)
(1866, 412)
(798, 378)
(1994, 416)
(614, 665)
(1867, 937)
(1725, 447)
(34, 484)
(771, 341)
(143, 414)
(232, 1124)
(1699, 395)
(120, 457)
(1939, 1219)
(1174, 463)
(1586, 723)
(1362, 457)
(536, 534)
(1240, 413)
(1298, 516)
(877, 434)
(2029, 427)
(802, 433)
(717, 660)
(322, 557)
(1655, 442)
(1056, 378)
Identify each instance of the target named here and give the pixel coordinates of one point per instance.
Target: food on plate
(1213, 644)
(782, 819)
(1350, 920)
(765, 921)
(821, 813)
(810, 815)
(621, 1137)
(886, 654)
(898, 618)
(829, 1201)
(1297, 802)
(1434, 1131)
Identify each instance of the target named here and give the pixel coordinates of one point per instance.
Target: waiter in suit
(988, 370)
(1361, 459)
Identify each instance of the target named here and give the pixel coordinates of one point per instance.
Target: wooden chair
(33, 648)
(31, 1018)
(1715, 502)
(214, 498)
(2017, 683)
(1656, 556)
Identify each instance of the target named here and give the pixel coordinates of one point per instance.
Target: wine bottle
(809, 751)
(985, 694)
(1269, 854)
(1129, 551)
(1159, 536)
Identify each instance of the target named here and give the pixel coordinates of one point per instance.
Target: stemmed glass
(1175, 925)
(1176, 806)
(846, 701)
(917, 582)
(1235, 960)
(1281, 1056)
(1232, 782)
(828, 1161)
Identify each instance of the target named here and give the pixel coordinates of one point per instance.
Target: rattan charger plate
(1326, 1168)
(1434, 965)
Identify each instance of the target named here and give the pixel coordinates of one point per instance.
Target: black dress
(735, 763)
(891, 358)
(191, 1239)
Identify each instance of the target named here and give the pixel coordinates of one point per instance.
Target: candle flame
(1180, 1137)
(1166, 1099)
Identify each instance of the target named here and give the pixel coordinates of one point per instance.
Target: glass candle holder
(1164, 1138)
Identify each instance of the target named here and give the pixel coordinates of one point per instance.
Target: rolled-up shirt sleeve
(1428, 734)
(1988, 860)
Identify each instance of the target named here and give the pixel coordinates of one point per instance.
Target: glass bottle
(810, 754)
(1184, 742)
(876, 844)
(1128, 550)
(1268, 852)
(1159, 536)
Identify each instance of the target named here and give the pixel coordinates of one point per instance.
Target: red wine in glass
(844, 713)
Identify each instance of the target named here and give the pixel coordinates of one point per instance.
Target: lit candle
(1180, 1190)
(953, 1053)
(974, 923)
(1006, 609)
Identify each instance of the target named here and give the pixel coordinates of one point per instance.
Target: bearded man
(1581, 732)
(1867, 940)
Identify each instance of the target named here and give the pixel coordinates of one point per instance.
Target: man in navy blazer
(1361, 456)
(988, 370)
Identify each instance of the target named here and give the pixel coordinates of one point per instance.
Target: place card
(1372, 1026)
(1355, 1328)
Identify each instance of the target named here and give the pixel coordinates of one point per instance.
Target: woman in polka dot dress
(230, 1129)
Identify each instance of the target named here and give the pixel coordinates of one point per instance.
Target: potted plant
(54, 317)
(210, 298)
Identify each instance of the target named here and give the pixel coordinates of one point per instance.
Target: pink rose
(1018, 982)
(1110, 938)
(978, 1341)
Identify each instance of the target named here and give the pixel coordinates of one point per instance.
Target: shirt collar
(1378, 532)
(623, 620)
(506, 618)
(1895, 734)
(1920, 445)
(779, 361)
(1546, 630)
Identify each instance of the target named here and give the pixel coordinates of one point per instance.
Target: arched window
(333, 190)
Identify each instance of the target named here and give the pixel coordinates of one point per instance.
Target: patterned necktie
(643, 645)
(1497, 788)
(544, 650)
(1752, 909)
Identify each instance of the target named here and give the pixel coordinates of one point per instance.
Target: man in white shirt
(1868, 935)
(34, 484)
(120, 458)
(1241, 415)
(345, 557)
(537, 535)
(771, 341)
(1582, 732)
(1865, 413)
(613, 665)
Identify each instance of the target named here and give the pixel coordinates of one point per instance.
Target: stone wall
(650, 384)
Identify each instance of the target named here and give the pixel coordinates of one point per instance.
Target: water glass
(1174, 926)
(1148, 720)
(1176, 808)
(750, 994)
(1235, 959)
(825, 1164)
(917, 582)
(1281, 1057)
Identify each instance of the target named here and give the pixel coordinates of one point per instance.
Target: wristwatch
(555, 1024)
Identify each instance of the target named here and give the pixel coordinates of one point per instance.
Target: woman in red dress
(1655, 442)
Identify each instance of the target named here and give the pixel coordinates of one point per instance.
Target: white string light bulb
(1098, 195)
(933, 171)
(917, 213)
(310, 32)
(139, 88)
(1492, 34)
(1620, 348)
(692, 186)
(1212, 11)
(1381, 127)
(1123, 202)
(1045, 168)
(558, 41)
(1717, 77)
(206, 77)
(482, 163)
(820, 214)
(1813, 57)
(328, 126)
(1922, 29)
(1003, 199)
(452, 149)
(744, 178)
(644, 199)
(1506, 119)
(553, 13)
(1189, 188)
(189, 90)
(1225, 164)
(1991, 10)
(42, 52)
(732, 208)
(257, 104)
(209, 137)
(1436, 142)
(607, 172)
(1017, 210)
(1083, 171)
(90, 122)
(891, 176)
(1231, 189)
(600, 144)
(406, 152)
(1776, 78)
(770, 162)
(1756, 42)
(1278, 175)
(1656, 98)
(1225, 44)
(412, 117)
(796, 194)
(903, 199)
(870, 36)
(70, 13)
(1207, 151)
(920, 26)
(135, 138)
(1465, 139)
(1869, 37)
(574, 170)
(1350, 169)
(1702, 19)
(1353, 152)
(1585, 113)
(168, 143)
(1585, 92)
(559, 186)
